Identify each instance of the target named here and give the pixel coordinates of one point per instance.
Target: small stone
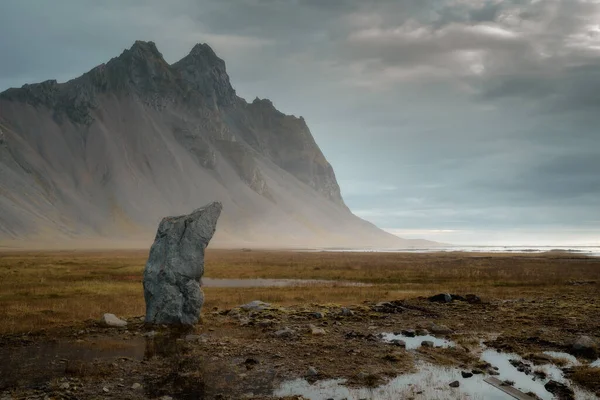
(317, 315)
(477, 371)
(316, 331)
(346, 312)
(195, 338)
(255, 305)
(427, 343)
(439, 329)
(150, 334)
(560, 390)
(285, 333)
(455, 384)
(585, 346)
(64, 386)
(312, 371)
(265, 323)
(441, 298)
(473, 299)
(409, 333)
(136, 386)
(112, 320)
(399, 343)
(105, 389)
(394, 357)
(466, 374)
(421, 332)
(362, 375)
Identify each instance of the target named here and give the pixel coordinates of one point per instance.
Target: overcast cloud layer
(464, 121)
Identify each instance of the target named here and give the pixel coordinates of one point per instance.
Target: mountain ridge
(136, 138)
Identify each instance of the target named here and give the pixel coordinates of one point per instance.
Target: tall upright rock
(106, 155)
(176, 265)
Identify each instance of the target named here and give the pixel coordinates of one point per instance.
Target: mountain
(100, 159)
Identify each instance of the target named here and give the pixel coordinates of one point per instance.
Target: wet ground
(366, 351)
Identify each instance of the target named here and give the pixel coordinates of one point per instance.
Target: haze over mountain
(100, 159)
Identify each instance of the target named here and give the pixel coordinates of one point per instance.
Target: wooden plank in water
(516, 393)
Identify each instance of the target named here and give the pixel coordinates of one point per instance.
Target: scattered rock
(256, 305)
(476, 371)
(473, 299)
(455, 384)
(64, 386)
(265, 323)
(394, 357)
(316, 331)
(285, 333)
(421, 332)
(136, 386)
(399, 343)
(466, 374)
(195, 338)
(346, 312)
(409, 333)
(439, 329)
(457, 297)
(586, 347)
(362, 375)
(389, 307)
(521, 366)
(312, 372)
(150, 334)
(441, 298)
(540, 374)
(317, 315)
(560, 390)
(427, 343)
(105, 389)
(176, 265)
(113, 320)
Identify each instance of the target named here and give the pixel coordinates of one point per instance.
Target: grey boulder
(176, 265)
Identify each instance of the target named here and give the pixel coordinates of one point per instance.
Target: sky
(461, 121)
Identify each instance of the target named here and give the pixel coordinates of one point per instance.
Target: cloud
(461, 115)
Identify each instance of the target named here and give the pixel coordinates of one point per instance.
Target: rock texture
(176, 265)
(113, 320)
(106, 155)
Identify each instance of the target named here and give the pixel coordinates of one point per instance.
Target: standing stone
(175, 266)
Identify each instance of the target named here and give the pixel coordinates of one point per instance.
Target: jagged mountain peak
(142, 49)
(204, 73)
(136, 138)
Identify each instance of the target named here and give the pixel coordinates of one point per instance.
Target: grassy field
(41, 290)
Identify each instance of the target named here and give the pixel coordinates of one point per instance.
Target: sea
(592, 251)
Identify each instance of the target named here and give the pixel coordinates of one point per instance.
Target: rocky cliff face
(111, 152)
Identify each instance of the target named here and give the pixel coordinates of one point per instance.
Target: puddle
(250, 283)
(415, 342)
(530, 383)
(431, 382)
(569, 358)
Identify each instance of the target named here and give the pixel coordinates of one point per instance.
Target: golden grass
(41, 290)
